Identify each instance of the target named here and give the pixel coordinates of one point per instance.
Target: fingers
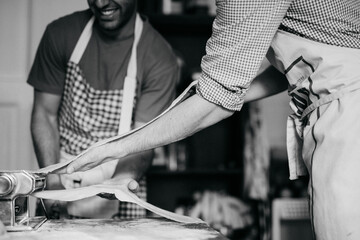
(76, 165)
(85, 162)
(93, 176)
(60, 171)
(91, 158)
(71, 180)
(53, 182)
(80, 165)
(133, 186)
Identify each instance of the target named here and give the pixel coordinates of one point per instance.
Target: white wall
(45, 11)
(15, 144)
(22, 23)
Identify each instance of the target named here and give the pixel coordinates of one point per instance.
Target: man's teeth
(108, 12)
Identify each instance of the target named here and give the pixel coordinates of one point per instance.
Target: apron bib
(322, 131)
(88, 115)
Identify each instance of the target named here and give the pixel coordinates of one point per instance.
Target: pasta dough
(120, 191)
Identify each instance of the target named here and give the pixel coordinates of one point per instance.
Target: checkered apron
(88, 115)
(323, 131)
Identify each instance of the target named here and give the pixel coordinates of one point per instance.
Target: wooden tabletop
(108, 229)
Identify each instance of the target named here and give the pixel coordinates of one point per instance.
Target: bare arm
(134, 166)
(44, 128)
(45, 134)
(189, 117)
(220, 63)
(269, 81)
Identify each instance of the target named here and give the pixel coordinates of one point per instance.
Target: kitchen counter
(96, 229)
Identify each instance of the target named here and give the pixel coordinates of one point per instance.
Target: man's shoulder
(64, 32)
(71, 23)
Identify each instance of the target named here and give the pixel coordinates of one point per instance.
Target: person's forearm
(195, 114)
(267, 83)
(45, 135)
(134, 166)
(189, 117)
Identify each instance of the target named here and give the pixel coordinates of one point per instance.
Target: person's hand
(132, 184)
(53, 182)
(61, 181)
(101, 152)
(71, 180)
(54, 209)
(90, 177)
(92, 158)
(130, 168)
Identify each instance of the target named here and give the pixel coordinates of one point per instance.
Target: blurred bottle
(172, 7)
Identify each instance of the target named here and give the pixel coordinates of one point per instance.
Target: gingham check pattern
(87, 115)
(243, 30)
(126, 210)
(334, 22)
(132, 210)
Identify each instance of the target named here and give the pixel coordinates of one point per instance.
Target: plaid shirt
(243, 31)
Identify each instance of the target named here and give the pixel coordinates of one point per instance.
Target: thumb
(133, 186)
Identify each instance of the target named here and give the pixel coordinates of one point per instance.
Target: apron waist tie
(324, 100)
(294, 133)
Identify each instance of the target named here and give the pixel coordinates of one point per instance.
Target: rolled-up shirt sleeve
(242, 33)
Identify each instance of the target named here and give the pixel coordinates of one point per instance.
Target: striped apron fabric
(88, 115)
(323, 130)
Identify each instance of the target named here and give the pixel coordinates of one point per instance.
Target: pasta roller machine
(15, 189)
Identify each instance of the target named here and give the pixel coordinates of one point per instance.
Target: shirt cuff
(212, 91)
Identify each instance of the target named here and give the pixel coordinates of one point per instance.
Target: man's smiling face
(112, 14)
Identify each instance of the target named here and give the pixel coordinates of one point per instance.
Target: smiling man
(98, 73)
(112, 16)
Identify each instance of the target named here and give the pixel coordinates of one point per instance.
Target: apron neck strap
(130, 83)
(130, 79)
(132, 67)
(86, 35)
(82, 42)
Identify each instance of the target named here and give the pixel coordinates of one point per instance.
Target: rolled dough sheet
(121, 192)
